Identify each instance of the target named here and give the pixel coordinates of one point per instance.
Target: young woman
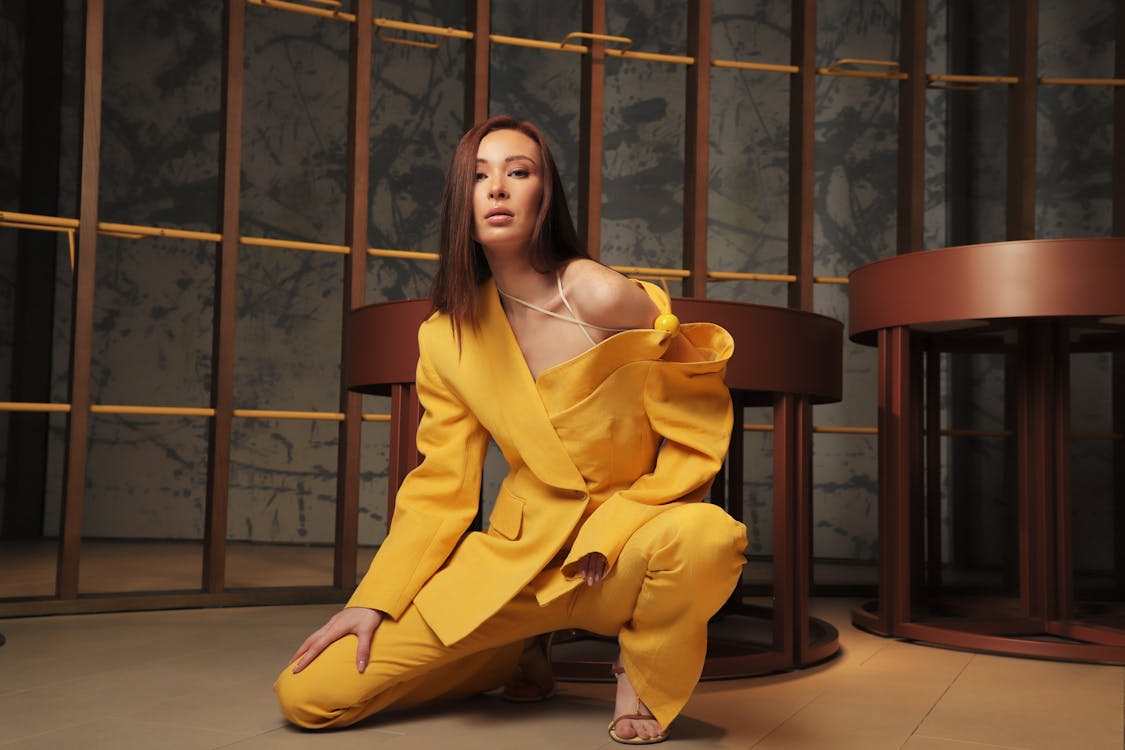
(613, 420)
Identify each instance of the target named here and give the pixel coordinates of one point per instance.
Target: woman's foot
(633, 723)
(534, 680)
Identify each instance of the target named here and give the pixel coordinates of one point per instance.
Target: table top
(777, 349)
(973, 289)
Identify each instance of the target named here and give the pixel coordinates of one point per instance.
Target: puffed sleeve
(438, 500)
(688, 406)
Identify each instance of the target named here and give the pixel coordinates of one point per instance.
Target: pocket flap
(507, 516)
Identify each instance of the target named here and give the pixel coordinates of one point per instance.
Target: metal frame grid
(83, 231)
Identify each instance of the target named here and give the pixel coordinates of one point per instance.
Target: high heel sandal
(534, 680)
(638, 716)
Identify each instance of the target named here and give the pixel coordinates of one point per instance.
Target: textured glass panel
(145, 481)
(283, 486)
(417, 117)
(161, 92)
(153, 310)
(845, 497)
(1092, 471)
(294, 126)
(550, 21)
(643, 164)
(749, 161)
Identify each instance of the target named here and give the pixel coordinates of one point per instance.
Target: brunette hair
(461, 263)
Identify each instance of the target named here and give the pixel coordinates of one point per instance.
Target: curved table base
(578, 656)
(1061, 640)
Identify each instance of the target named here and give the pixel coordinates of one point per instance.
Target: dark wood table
(1037, 301)
(785, 359)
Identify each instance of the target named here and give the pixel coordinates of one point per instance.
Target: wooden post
(82, 328)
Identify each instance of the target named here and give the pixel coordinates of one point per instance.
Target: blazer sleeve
(438, 500)
(689, 407)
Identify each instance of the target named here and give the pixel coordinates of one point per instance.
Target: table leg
(403, 449)
(896, 441)
(792, 528)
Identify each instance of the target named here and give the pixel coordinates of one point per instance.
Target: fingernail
(362, 666)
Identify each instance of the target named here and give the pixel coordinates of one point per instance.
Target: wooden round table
(1037, 301)
(787, 359)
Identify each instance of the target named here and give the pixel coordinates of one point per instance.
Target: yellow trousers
(672, 576)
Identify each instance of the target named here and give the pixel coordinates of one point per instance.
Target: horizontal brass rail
(975, 79)
(163, 411)
(337, 15)
(763, 67)
(891, 73)
(316, 247)
(182, 411)
(192, 411)
(136, 231)
(30, 406)
(741, 276)
(1047, 81)
(668, 273)
(282, 414)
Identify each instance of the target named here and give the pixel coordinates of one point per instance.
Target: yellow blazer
(595, 447)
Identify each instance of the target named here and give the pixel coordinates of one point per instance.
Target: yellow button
(667, 322)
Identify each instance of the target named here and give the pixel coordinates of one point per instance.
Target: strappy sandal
(638, 716)
(534, 680)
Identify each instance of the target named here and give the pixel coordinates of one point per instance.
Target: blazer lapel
(529, 427)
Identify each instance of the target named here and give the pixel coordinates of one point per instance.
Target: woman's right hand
(358, 621)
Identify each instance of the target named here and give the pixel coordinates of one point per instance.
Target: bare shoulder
(604, 297)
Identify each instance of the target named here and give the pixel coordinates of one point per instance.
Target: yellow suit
(597, 447)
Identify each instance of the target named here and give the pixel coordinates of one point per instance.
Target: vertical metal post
(591, 128)
(802, 149)
(696, 148)
(912, 127)
(1023, 61)
(785, 502)
(477, 51)
(895, 453)
(226, 291)
(1117, 371)
(933, 466)
(355, 279)
(1061, 505)
(78, 421)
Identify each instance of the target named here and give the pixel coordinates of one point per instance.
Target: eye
(520, 172)
(479, 176)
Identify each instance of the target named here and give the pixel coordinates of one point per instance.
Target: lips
(498, 216)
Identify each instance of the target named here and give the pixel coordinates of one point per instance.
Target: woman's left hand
(592, 568)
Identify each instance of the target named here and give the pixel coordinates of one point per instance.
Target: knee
(303, 704)
(712, 538)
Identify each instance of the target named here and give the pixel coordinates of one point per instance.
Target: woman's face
(507, 190)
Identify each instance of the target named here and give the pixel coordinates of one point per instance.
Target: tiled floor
(201, 679)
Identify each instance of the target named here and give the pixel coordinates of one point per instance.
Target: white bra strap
(569, 309)
(569, 318)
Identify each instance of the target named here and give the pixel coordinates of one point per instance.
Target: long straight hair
(462, 267)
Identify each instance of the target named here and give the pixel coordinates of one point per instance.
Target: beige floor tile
(567, 722)
(29, 713)
(290, 738)
(121, 734)
(852, 717)
(1032, 704)
(876, 703)
(934, 743)
(203, 677)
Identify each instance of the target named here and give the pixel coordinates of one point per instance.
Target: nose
(496, 188)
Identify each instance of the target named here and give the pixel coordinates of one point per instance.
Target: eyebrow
(513, 157)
